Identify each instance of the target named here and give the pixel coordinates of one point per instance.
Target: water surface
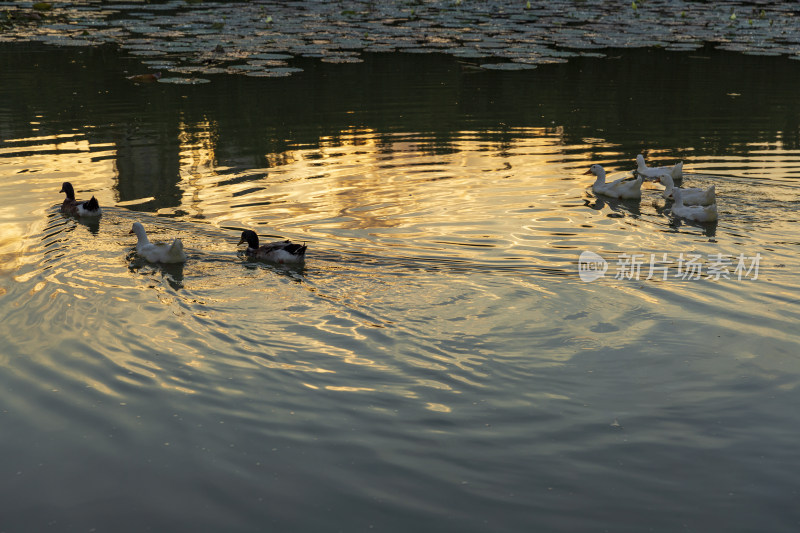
(437, 364)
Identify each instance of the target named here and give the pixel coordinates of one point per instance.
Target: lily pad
(184, 81)
(271, 57)
(273, 73)
(341, 59)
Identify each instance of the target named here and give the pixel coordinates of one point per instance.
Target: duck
(620, 188)
(157, 253)
(692, 195)
(71, 206)
(699, 213)
(675, 172)
(281, 252)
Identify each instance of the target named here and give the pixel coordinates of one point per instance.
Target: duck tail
(297, 249)
(177, 247)
(677, 170)
(91, 204)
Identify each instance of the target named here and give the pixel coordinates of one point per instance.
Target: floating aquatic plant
(184, 81)
(507, 66)
(216, 35)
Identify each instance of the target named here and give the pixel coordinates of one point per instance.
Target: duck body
(281, 252)
(675, 172)
(157, 253)
(699, 213)
(71, 206)
(621, 188)
(691, 196)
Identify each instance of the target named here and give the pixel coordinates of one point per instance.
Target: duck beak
(588, 172)
(130, 232)
(240, 241)
(62, 190)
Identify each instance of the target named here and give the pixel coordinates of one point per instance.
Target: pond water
(438, 364)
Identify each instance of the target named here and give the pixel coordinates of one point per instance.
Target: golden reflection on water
(359, 181)
(518, 192)
(495, 200)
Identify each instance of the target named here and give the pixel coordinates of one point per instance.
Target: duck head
(597, 170)
(66, 187)
(250, 237)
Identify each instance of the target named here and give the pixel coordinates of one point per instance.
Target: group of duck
(281, 252)
(690, 203)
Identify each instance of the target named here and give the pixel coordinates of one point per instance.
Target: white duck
(699, 213)
(675, 172)
(620, 188)
(691, 196)
(157, 253)
(282, 252)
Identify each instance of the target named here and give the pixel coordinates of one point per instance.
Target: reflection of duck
(699, 213)
(157, 253)
(617, 208)
(675, 172)
(71, 206)
(282, 252)
(616, 189)
(691, 196)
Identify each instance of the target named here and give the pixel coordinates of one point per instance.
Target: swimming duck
(616, 189)
(691, 196)
(157, 253)
(283, 252)
(675, 172)
(71, 206)
(700, 213)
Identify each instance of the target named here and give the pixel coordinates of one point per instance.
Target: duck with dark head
(281, 252)
(71, 206)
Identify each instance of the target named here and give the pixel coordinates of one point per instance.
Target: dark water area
(438, 364)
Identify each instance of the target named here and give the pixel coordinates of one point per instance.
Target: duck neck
(601, 178)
